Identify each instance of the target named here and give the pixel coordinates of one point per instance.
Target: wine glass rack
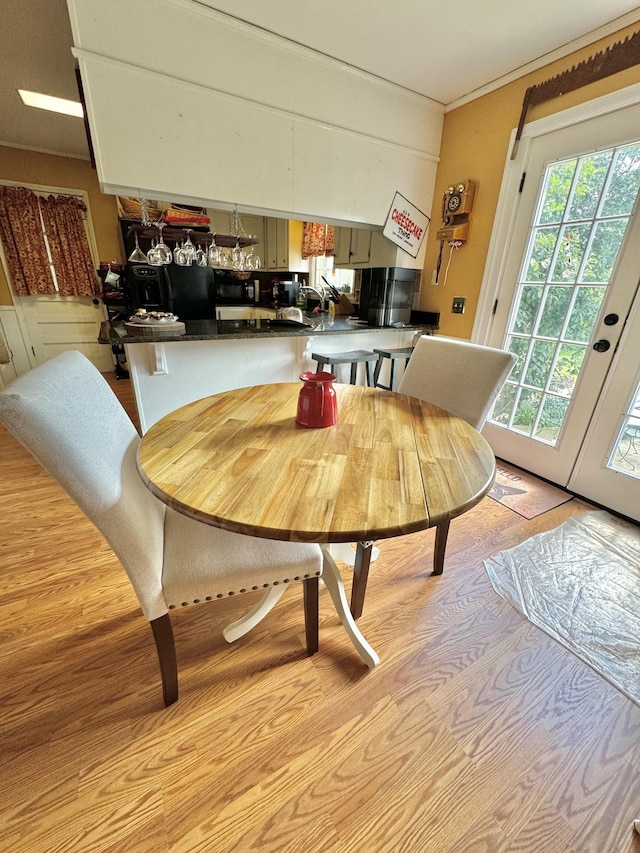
(227, 241)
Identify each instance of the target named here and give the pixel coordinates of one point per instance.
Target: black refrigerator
(387, 295)
(187, 292)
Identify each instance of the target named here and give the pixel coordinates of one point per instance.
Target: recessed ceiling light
(47, 102)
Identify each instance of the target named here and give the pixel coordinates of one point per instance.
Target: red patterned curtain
(24, 248)
(317, 240)
(22, 213)
(69, 245)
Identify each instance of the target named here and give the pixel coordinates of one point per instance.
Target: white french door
(568, 306)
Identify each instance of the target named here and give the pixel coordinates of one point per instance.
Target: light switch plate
(458, 305)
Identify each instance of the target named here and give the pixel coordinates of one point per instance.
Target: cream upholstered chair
(464, 379)
(67, 416)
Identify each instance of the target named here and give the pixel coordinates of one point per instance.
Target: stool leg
(392, 373)
(376, 372)
(370, 381)
(354, 368)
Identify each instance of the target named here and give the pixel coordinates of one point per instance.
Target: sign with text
(406, 225)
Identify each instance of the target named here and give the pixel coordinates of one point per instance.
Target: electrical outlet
(458, 305)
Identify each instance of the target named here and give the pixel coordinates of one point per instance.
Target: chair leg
(360, 577)
(311, 613)
(166, 648)
(442, 531)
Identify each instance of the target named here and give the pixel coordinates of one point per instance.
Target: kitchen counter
(169, 371)
(205, 330)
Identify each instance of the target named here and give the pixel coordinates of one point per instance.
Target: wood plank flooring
(477, 732)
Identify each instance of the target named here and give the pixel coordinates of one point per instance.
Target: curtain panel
(23, 241)
(22, 215)
(69, 246)
(317, 240)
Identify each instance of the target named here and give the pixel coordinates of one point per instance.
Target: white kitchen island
(214, 356)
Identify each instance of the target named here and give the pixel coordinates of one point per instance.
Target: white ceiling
(445, 53)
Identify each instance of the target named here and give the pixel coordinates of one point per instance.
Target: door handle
(611, 319)
(601, 346)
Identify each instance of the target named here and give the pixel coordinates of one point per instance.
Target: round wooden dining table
(391, 465)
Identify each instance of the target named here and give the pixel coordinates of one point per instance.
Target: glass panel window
(339, 278)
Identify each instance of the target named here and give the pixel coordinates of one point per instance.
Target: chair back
(69, 419)
(458, 376)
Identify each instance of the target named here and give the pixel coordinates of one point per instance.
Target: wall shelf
(199, 235)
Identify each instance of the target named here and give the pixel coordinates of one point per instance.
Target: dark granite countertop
(205, 330)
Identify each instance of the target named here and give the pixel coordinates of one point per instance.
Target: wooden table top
(391, 465)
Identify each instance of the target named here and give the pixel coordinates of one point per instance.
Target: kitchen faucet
(322, 295)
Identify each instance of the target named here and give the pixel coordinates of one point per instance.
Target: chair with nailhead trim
(67, 416)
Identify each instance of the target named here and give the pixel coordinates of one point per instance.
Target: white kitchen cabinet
(276, 243)
(352, 247)
(283, 245)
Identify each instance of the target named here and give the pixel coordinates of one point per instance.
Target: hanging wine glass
(188, 248)
(180, 256)
(213, 253)
(164, 252)
(252, 260)
(153, 255)
(138, 256)
(237, 257)
(201, 256)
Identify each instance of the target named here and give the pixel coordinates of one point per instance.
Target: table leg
(333, 582)
(442, 531)
(246, 623)
(360, 577)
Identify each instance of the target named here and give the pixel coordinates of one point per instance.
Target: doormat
(524, 493)
(580, 583)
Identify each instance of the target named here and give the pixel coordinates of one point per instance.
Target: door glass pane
(586, 308)
(604, 250)
(625, 456)
(556, 190)
(539, 363)
(567, 367)
(623, 189)
(530, 298)
(554, 312)
(571, 248)
(526, 411)
(588, 189)
(541, 253)
(519, 347)
(581, 217)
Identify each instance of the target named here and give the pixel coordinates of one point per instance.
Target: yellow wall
(475, 144)
(64, 173)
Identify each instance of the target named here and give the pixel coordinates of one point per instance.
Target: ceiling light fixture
(48, 102)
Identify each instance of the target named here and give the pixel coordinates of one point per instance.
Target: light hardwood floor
(477, 732)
